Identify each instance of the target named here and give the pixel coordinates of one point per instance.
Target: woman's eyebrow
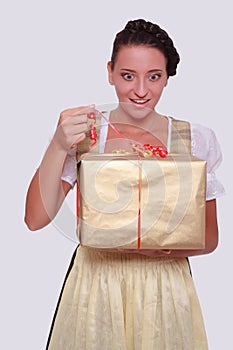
(149, 71)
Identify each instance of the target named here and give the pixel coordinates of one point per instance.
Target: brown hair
(141, 32)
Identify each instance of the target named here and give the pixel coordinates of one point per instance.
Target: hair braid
(141, 32)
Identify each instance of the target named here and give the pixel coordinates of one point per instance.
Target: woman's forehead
(139, 56)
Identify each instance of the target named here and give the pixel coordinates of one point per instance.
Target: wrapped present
(141, 203)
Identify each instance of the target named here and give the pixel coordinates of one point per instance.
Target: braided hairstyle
(141, 32)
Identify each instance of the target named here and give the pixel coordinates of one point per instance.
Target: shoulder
(205, 144)
(203, 138)
(199, 130)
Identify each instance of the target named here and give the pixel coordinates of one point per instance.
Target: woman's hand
(71, 128)
(148, 252)
(211, 238)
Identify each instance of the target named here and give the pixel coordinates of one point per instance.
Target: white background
(53, 56)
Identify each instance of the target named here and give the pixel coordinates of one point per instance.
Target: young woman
(142, 299)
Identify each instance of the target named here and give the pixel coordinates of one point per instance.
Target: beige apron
(120, 301)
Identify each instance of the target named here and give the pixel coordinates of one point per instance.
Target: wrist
(57, 147)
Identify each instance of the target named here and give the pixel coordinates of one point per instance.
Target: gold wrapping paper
(169, 192)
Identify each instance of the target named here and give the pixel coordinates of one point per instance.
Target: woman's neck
(153, 128)
(139, 121)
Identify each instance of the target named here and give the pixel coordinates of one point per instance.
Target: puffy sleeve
(69, 170)
(205, 146)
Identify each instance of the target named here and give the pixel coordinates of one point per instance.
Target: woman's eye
(127, 76)
(154, 76)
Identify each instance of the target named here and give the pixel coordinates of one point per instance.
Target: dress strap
(180, 137)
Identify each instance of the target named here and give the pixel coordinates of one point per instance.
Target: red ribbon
(92, 133)
(77, 202)
(139, 202)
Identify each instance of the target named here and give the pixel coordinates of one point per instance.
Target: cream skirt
(120, 301)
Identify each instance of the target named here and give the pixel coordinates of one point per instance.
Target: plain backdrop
(53, 56)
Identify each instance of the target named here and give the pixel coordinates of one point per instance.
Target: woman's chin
(135, 111)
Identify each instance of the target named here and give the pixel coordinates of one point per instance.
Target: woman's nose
(140, 88)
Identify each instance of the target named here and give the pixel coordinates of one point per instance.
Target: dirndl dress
(127, 301)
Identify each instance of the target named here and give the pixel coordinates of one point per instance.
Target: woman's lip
(139, 101)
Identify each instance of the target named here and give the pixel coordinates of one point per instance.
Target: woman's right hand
(72, 126)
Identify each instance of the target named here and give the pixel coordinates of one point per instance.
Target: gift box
(141, 203)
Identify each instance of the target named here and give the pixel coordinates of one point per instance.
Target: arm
(47, 191)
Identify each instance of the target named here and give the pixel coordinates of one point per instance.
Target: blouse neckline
(104, 132)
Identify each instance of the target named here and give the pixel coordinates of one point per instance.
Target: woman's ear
(110, 78)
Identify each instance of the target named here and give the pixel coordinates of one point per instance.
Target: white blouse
(204, 145)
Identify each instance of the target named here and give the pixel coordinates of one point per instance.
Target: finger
(75, 111)
(74, 120)
(79, 128)
(83, 116)
(83, 110)
(79, 119)
(127, 250)
(79, 139)
(166, 251)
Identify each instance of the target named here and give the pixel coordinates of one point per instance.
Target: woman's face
(139, 76)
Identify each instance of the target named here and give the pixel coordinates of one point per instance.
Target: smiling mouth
(139, 101)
